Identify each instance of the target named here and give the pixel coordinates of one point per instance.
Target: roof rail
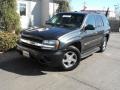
(104, 12)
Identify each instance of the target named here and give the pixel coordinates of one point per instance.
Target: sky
(77, 5)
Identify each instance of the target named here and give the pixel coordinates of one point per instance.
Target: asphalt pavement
(101, 71)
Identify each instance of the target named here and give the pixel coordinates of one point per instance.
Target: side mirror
(48, 22)
(89, 27)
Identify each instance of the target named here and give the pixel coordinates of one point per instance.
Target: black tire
(74, 53)
(103, 45)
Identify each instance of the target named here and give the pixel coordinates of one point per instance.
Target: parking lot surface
(101, 71)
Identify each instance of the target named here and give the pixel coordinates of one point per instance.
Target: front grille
(31, 46)
(32, 38)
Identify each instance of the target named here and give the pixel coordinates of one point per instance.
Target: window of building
(22, 9)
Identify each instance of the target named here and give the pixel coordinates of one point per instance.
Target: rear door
(99, 28)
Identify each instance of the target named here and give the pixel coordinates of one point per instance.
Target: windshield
(67, 20)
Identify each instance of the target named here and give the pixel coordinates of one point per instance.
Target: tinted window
(90, 20)
(99, 21)
(105, 20)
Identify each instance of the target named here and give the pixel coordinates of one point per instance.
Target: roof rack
(91, 11)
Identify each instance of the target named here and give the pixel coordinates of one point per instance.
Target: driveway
(100, 71)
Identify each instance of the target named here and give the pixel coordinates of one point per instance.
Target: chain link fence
(115, 25)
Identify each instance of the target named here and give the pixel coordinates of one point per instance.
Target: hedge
(9, 18)
(7, 41)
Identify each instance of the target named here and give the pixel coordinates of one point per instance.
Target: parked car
(70, 37)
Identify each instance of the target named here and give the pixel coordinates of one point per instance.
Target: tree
(64, 6)
(8, 16)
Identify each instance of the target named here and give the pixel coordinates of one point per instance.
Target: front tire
(71, 59)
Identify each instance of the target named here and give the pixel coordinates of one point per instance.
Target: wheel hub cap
(104, 44)
(70, 59)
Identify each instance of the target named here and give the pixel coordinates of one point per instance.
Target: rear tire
(103, 45)
(71, 59)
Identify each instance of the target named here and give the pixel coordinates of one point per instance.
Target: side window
(54, 19)
(99, 21)
(105, 20)
(90, 20)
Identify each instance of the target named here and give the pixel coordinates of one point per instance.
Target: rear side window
(90, 20)
(105, 20)
(99, 21)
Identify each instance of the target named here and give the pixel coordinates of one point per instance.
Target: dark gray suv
(68, 38)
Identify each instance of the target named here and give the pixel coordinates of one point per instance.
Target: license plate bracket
(26, 54)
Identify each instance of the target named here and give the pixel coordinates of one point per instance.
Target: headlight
(50, 44)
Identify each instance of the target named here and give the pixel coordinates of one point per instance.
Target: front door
(89, 37)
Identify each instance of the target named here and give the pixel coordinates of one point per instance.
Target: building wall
(32, 16)
(44, 7)
(37, 12)
(24, 18)
(52, 8)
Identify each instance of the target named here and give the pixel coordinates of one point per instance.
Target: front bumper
(52, 58)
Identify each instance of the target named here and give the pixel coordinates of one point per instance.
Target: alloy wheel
(104, 43)
(70, 59)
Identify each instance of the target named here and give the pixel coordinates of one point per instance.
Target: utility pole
(117, 13)
(117, 10)
(84, 5)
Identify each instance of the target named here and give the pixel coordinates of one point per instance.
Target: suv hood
(46, 33)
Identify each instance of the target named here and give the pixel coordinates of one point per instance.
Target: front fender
(69, 39)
